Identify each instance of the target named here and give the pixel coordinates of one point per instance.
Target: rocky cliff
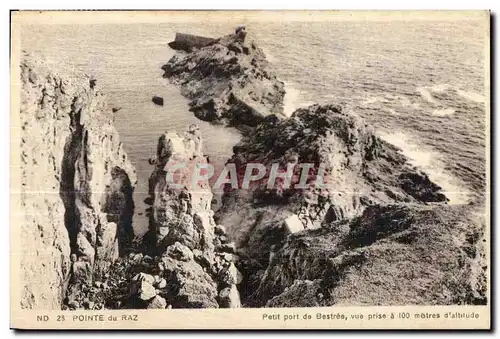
(196, 261)
(185, 260)
(358, 225)
(390, 255)
(228, 81)
(376, 216)
(76, 184)
(361, 172)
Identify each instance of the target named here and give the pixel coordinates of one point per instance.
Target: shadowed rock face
(72, 162)
(228, 81)
(119, 207)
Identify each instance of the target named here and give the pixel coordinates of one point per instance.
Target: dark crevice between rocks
(85, 290)
(72, 150)
(385, 223)
(67, 187)
(253, 262)
(119, 208)
(148, 243)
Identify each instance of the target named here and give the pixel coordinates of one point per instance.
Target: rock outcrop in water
(189, 42)
(359, 168)
(362, 175)
(76, 185)
(229, 80)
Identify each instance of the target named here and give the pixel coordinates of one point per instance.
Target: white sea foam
(293, 100)
(428, 161)
(443, 112)
(472, 96)
(426, 91)
(407, 103)
(426, 94)
(271, 58)
(372, 100)
(440, 88)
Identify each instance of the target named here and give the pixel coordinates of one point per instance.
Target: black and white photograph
(250, 160)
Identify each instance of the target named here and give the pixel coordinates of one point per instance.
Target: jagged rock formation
(198, 268)
(362, 175)
(390, 255)
(190, 261)
(229, 80)
(361, 170)
(188, 42)
(77, 184)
